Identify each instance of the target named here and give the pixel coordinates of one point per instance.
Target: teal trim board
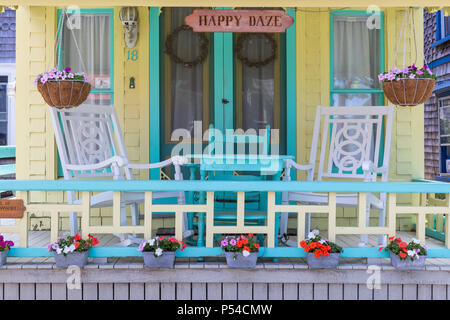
(154, 90)
(217, 185)
(278, 252)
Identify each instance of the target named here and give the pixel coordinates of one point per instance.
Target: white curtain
(93, 39)
(257, 85)
(186, 82)
(356, 59)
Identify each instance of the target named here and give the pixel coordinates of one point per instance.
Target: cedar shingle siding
(431, 114)
(8, 36)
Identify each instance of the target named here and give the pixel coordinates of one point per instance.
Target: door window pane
(356, 53)
(355, 99)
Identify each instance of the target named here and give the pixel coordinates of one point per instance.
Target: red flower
(76, 244)
(90, 235)
(380, 248)
(256, 246)
(250, 234)
(326, 254)
(303, 243)
(307, 248)
(312, 245)
(94, 241)
(244, 241)
(239, 244)
(77, 237)
(391, 238)
(402, 255)
(161, 238)
(246, 248)
(317, 253)
(402, 244)
(398, 240)
(172, 239)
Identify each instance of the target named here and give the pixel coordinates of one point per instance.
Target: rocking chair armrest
(175, 160)
(115, 160)
(292, 164)
(370, 168)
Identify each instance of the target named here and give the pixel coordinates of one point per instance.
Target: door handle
(225, 101)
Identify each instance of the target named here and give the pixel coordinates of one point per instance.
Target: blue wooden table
(270, 166)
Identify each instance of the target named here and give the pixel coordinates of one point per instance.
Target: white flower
(311, 235)
(316, 232)
(411, 253)
(416, 241)
(59, 250)
(151, 242)
(66, 249)
(72, 248)
(159, 252)
(245, 253)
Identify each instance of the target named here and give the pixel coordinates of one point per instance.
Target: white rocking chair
(91, 145)
(350, 149)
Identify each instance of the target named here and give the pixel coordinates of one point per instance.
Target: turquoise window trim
(110, 12)
(382, 67)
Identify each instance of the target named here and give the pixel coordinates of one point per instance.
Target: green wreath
(172, 37)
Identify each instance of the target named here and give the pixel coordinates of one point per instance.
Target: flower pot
(322, 262)
(166, 260)
(237, 260)
(3, 255)
(407, 264)
(408, 92)
(71, 259)
(64, 93)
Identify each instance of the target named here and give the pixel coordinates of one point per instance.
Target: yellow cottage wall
(36, 148)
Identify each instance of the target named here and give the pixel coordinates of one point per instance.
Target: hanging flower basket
(409, 86)
(63, 89)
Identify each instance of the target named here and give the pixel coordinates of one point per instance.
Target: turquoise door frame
(223, 86)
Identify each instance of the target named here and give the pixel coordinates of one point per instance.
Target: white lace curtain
(257, 85)
(186, 90)
(92, 33)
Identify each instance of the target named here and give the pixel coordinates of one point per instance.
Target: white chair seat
(346, 200)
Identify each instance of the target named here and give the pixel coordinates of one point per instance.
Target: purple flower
(405, 70)
(141, 246)
(419, 72)
(67, 70)
(380, 77)
(233, 242)
(49, 248)
(10, 243)
(224, 243)
(1, 238)
(2, 244)
(55, 246)
(390, 76)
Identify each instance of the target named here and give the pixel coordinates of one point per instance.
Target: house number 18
(132, 55)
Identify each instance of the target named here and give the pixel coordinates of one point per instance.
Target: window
(444, 134)
(357, 57)
(442, 28)
(3, 111)
(93, 30)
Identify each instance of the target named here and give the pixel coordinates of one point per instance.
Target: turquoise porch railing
(271, 187)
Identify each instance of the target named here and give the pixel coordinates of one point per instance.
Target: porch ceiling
(228, 3)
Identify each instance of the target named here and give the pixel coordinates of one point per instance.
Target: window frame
(382, 56)
(110, 91)
(442, 165)
(441, 37)
(93, 11)
(378, 91)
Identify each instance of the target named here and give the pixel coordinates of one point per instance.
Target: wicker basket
(408, 92)
(64, 93)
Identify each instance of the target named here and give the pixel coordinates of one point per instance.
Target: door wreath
(171, 39)
(240, 43)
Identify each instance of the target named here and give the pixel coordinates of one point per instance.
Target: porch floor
(42, 239)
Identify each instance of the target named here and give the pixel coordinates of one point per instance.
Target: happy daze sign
(239, 20)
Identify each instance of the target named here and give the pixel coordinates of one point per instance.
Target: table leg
(201, 215)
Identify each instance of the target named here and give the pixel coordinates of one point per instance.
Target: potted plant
(160, 252)
(409, 86)
(5, 245)
(72, 250)
(406, 256)
(240, 251)
(321, 253)
(63, 89)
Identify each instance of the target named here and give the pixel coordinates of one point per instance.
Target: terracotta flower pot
(237, 260)
(64, 93)
(71, 259)
(408, 92)
(166, 260)
(322, 262)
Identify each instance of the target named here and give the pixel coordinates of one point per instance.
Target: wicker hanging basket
(408, 92)
(64, 93)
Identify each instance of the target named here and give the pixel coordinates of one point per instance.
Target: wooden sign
(239, 20)
(12, 208)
